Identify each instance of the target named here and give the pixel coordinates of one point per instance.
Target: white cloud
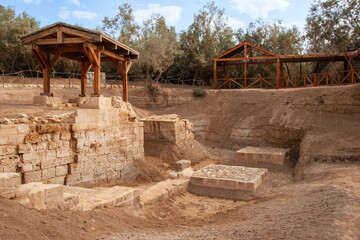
(32, 1)
(75, 2)
(64, 13)
(259, 8)
(170, 13)
(235, 23)
(88, 15)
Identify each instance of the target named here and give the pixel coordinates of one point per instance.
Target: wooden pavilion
(82, 45)
(247, 53)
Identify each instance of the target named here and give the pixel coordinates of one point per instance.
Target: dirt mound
(171, 153)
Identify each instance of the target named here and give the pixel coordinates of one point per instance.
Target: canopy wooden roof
(69, 40)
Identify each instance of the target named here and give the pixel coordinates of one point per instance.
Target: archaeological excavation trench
(235, 164)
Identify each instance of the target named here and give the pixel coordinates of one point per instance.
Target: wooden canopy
(85, 46)
(248, 53)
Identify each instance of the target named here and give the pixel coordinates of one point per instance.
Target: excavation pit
(224, 181)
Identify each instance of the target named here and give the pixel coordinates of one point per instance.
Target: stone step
(225, 181)
(92, 198)
(271, 155)
(163, 190)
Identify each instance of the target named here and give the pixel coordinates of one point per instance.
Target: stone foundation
(224, 181)
(45, 100)
(263, 154)
(92, 147)
(169, 128)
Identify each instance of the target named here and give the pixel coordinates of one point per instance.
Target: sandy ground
(323, 204)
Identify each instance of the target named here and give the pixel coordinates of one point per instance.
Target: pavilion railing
(322, 79)
(307, 80)
(260, 82)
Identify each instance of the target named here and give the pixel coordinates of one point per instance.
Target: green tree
(15, 56)
(122, 27)
(208, 36)
(333, 26)
(158, 46)
(274, 37)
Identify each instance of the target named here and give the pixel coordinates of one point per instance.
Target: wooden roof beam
(86, 35)
(31, 38)
(243, 59)
(112, 55)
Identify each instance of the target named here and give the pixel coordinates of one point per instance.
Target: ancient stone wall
(89, 148)
(171, 128)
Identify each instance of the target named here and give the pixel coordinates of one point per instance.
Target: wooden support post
(94, 55)
(124, 69)
(245, 56)
(281, 74)
(278, 73)
(47, 65)
(84, 68)
(125, 82)
(215, 77)
(46, 76)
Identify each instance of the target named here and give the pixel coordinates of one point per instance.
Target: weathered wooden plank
(112, 55)
(55, 41)
(31, 38)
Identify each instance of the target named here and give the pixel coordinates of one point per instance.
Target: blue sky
(89, 13)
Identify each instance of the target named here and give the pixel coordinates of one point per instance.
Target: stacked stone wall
(168, 128)
(94, 147)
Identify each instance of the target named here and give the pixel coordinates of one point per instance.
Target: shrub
(199, 92)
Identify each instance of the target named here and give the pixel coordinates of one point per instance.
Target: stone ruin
(90, 147)
(45, 162)
(169, 128)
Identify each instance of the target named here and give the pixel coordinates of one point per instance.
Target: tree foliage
(122, 27)
(15, 56)
(333, 26)
(158, 45)
(206, 37)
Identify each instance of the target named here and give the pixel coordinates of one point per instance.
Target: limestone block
(3, 140)
(61, 170)
(29, 157)
(48, 173)
(96, 103)
(46, 100)
(72, 179)
(225, 181)
(46, 196)
(37, 199)
(8, 130)
(182, 164)
(54, 195)
(65, 136)
(25, 148)
(60, 153)
(9, 181)
(34, 176)
(41, 146)
(56, 180)
(46, 163)
(263, 154)
(23, 128)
